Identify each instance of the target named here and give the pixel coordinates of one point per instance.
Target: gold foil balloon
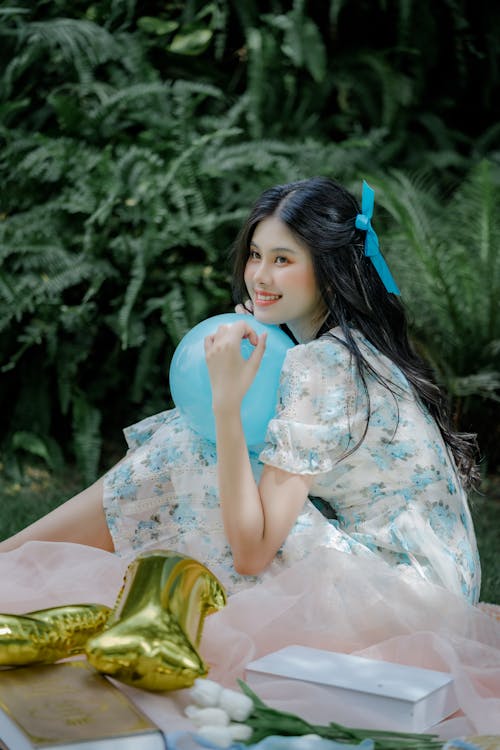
(152, 636)
(49, 634)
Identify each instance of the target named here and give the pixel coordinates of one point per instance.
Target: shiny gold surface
(49, 634)
(152, 636)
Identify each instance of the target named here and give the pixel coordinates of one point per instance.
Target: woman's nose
(261, 275)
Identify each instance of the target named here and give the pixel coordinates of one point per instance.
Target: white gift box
(352, 690)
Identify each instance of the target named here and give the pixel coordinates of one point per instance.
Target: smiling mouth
(264, 298)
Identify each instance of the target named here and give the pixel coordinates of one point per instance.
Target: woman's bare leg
(80, 519)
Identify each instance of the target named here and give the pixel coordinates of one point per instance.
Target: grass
(485, 508)
(39, 491)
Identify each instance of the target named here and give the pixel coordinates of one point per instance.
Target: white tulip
(205, 693)
(240, 732)
(210, 716)
(220, 736)
(237, 705)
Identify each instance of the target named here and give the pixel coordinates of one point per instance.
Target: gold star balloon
(47, 635)
(151, 638)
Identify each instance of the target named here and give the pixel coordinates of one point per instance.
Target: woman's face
(280, 280)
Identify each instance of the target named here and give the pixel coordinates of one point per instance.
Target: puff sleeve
(321, 411)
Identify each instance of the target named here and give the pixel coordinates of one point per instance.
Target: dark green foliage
(134, 137)
(446, 254)
(486, 516)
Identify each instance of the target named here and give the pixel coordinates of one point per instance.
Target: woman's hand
(256, 519)
(231, 375)
(245, 309)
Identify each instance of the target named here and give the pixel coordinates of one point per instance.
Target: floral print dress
(387, 486)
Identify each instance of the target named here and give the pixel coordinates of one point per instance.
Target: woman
(360, 427)
(360, 423)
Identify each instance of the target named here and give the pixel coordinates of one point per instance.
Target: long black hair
(321, 214)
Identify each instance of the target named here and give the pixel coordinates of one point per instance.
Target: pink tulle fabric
(330, 600)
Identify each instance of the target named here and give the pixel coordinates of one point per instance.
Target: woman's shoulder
(320, 365)
(330, 348)
(332, 355)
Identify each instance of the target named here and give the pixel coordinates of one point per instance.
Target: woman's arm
(257, 519)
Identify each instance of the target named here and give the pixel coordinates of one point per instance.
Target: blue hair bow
(372, 248)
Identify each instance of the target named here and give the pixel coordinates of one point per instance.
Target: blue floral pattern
(389, 479)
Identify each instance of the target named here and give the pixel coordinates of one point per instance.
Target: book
(70, 705)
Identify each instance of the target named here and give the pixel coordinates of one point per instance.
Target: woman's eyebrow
(275, 249)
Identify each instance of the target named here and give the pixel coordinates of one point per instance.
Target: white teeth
(267, 297)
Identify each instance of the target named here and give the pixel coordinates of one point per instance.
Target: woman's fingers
(258, 352)
(231, 374)
(229, 337)
(244, 309)
(233, 332)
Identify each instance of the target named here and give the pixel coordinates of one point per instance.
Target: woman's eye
(253, 255)
(281, 259)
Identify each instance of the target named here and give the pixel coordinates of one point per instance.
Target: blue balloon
(190, 383)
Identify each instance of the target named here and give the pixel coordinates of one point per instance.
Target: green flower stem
(266, 721)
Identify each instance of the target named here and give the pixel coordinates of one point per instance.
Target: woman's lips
(265, 299)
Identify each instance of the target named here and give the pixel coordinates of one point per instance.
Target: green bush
(117, 217)
(446, 255)
(134, 141)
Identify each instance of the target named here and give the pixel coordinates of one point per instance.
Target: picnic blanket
(325, 601)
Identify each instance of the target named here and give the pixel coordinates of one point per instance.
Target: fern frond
(174, 314)
(21, 62)
(110, 101)
(86, 436)
(137, 276)
(484, 384)
(13, 11)
(82, 44)
(151, 354)
(446, 255)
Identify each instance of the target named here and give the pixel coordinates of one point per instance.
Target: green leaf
(13, 11)
(193, 41)
(86, 436)
(32, 443)
(174, 314)
(157, 26)
(314, 51)
(266, 721)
